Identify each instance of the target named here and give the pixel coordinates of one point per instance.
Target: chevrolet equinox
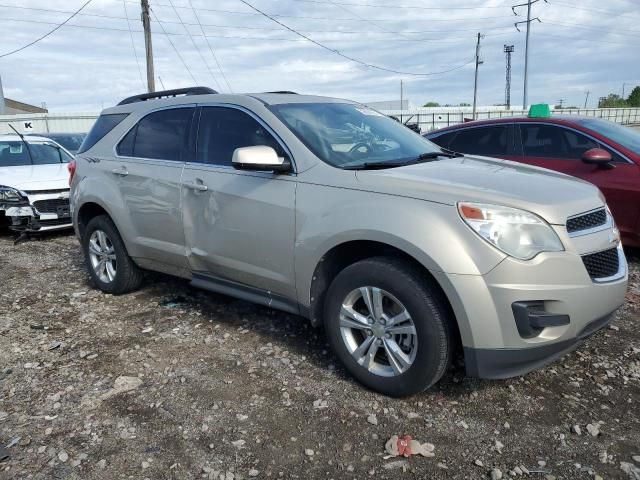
(403, 251)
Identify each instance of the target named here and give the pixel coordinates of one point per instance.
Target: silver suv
(404, 252)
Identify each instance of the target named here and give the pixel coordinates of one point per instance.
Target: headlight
(9, 194)
(517, 233)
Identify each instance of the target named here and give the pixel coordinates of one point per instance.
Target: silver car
(405, 253)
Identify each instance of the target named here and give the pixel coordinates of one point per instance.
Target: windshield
(620, 134)
(14, 153)
(348, 135)
(70, 141)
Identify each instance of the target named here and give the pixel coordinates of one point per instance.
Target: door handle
(121, 171)
(197, 186)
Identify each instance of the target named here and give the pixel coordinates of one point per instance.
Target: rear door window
(444, 139)
(161, 135)
(489, 141)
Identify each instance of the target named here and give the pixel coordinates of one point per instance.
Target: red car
(601, 152)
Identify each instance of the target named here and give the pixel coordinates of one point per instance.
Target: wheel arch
(87, 212)
(349, 252)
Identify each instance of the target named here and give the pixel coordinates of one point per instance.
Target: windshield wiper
(443, 153)
(423, 157)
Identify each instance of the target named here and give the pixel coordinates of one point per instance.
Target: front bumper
(506, 363)
(36, 214)
(572, 304)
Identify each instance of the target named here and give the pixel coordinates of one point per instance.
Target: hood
(35, 177)
(554, 196)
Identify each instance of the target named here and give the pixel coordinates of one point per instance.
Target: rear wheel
(110, 266)
(389, 326)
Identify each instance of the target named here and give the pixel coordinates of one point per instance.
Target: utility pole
(146, 23)
(586, 98)
(525, 97)
(508, 49)
(561, 103)
(475, 82)
(2, 104)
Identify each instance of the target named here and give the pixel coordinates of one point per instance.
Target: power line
(133, 45)
(213, 53)
(46, 34)
(366, 20)
(234, 37)
(246, 27)
(600, 10)
(196, 46)
(174, 47)
(305, 17)
(352, 59)
(408, 7)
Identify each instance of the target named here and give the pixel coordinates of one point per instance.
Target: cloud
(90, 63)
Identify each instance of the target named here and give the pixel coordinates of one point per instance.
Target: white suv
(34, 183)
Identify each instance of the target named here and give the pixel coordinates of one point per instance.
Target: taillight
(71, 166)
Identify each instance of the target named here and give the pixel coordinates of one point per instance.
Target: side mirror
(260, 158)
(597, 156)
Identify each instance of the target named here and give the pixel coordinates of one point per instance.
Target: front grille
(51, 205)
(602, 264)
(587, 221)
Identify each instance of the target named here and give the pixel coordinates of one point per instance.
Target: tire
(101, 241)
(427, 348)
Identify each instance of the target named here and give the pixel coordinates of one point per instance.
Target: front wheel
(110, 266)
(389, 326)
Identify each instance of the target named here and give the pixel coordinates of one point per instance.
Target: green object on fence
(540, 110)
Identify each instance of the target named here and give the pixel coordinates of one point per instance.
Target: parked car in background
(70, 141)
(599, 151)
(34, 184)
(327, 209)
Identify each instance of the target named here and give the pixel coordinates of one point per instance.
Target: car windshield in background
(620, 134)
(70, 141)
(350, 136)
(14, 153)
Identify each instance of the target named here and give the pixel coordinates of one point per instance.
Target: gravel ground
(172, 382)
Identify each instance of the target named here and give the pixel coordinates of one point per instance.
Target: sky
(98, 57)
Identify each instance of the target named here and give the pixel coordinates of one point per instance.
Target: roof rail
(284, 92)
(168, 93)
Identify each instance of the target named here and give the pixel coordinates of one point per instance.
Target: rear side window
(104, 124)
(160, 135)
(222, 130)
(488, 141)
(443, 140)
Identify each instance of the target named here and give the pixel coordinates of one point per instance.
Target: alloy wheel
(378, 331)
(102, 256)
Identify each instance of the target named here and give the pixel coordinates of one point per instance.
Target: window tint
(551, 141)
(125, 147)
(443, 140)
(160, 135)
(489, 141)
(222, 130)
(104, 124)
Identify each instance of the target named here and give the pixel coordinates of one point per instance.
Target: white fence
(433, 118)
(428, 118)
(48, 122)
